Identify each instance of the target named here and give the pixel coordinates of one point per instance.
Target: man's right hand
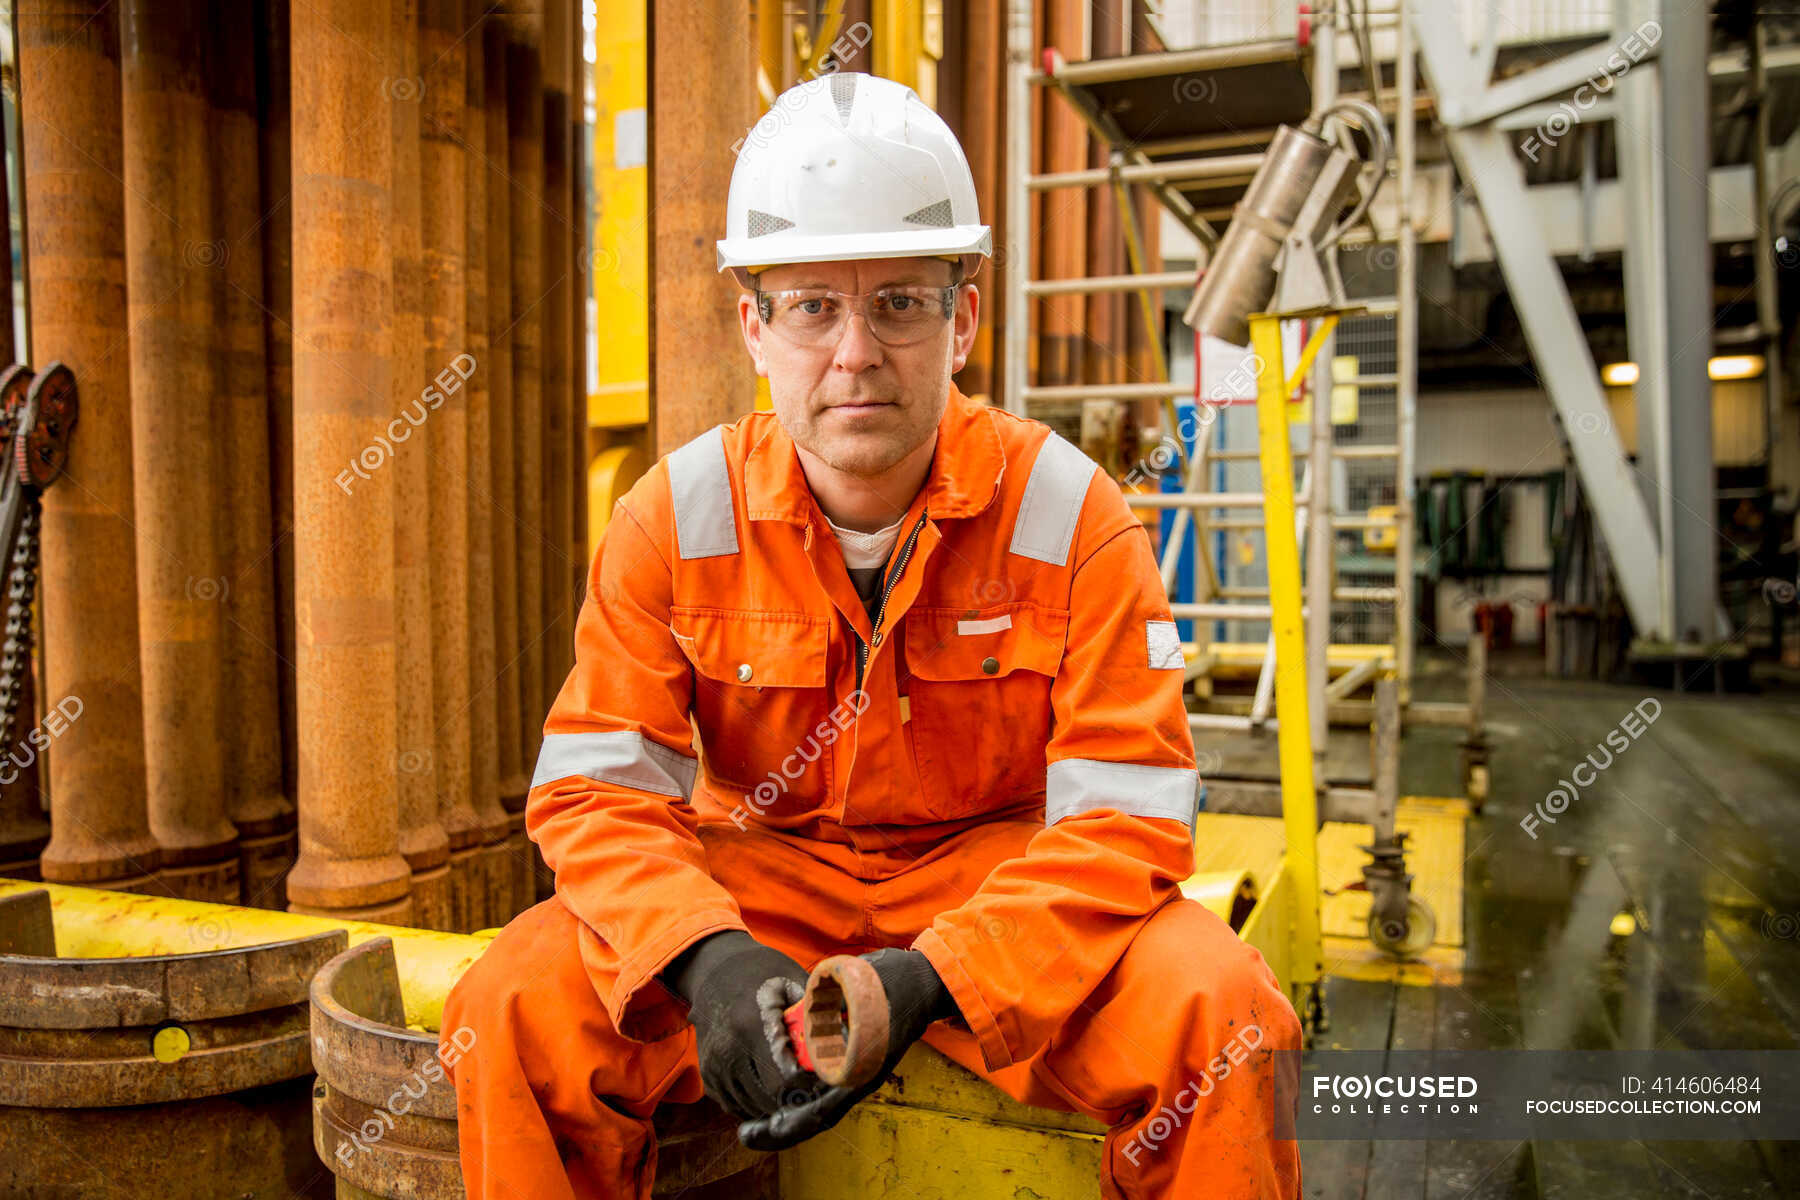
(719, 977)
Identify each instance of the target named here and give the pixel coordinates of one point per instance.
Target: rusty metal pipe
(558, 330)
(72, 144)
(419, 772)
(255, 796)
(344, 523)
(514, 767)
(175, 293)
(484, 749)
(278, 347)
(444, 48)
(581, 282)
(697, 366)
(525, 164)
(73, 151)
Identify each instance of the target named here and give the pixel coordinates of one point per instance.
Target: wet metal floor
(1658, 909)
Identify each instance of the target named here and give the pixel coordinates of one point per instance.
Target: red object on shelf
(1303, 26)
(1495, 623)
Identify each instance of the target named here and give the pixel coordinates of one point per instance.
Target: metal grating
(1366, 483)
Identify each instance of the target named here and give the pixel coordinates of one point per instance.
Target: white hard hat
(850, 166)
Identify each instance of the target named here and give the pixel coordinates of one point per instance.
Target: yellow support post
(898, 26)
(621, 268)
(1299, 800)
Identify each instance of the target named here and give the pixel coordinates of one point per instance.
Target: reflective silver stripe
(1053, 498)
(700, 489)
(1163, 641)
(1078, 785)
(622, 756)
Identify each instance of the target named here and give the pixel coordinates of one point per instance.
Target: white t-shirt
(865, 556)
(865, 549)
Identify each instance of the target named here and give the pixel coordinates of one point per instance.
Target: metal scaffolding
(1197, 159)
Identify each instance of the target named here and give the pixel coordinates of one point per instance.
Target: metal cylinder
(503, 515)
(525, 163)
(175, 292)
(278, 347)
(581, 287)
(1240, 277)
(384, 1107)
(484, 778)
(703, 382)
(419, 773)
(255, 796)
(343, 497)
(555, 220)
(73, 168)
(444, 49)
(112, 1060)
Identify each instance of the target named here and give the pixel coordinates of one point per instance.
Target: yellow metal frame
(1285, 925)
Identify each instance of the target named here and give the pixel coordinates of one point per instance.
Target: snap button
(743, 672)
(990, 666)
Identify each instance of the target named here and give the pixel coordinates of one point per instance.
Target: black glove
(719, 977)
(916, 997)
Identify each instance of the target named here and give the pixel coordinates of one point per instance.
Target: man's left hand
(916, 997)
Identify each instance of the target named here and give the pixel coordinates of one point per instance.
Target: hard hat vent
(761, 223)
(843, 93)
(936, 215)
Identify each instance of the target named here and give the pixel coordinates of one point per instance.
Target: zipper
(893, 577)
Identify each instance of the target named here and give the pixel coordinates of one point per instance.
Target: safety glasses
(896, 316)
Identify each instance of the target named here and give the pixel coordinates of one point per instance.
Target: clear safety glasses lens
(895, 315)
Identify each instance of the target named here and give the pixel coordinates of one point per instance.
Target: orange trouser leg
(1172, 1053)
(552, 1102)
(532, 1123)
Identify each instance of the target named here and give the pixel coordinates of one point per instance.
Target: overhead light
(1735, 366)
(1725, 366)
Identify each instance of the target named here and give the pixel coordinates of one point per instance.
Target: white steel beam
(1485, 159)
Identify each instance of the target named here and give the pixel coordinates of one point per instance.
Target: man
(884, 672)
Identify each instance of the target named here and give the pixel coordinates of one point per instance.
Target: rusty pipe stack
(333, 447)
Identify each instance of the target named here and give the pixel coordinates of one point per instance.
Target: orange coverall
(1006, 783)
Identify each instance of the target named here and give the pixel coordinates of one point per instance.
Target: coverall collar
(964, 476)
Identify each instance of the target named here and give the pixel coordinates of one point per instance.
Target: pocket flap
(755, 649)
(987, 643)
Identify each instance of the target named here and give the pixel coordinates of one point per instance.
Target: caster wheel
(1407, 939)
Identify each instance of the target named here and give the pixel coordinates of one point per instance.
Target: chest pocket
(979, 695)
(761, 704)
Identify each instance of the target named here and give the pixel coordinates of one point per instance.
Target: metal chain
(21, 583)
